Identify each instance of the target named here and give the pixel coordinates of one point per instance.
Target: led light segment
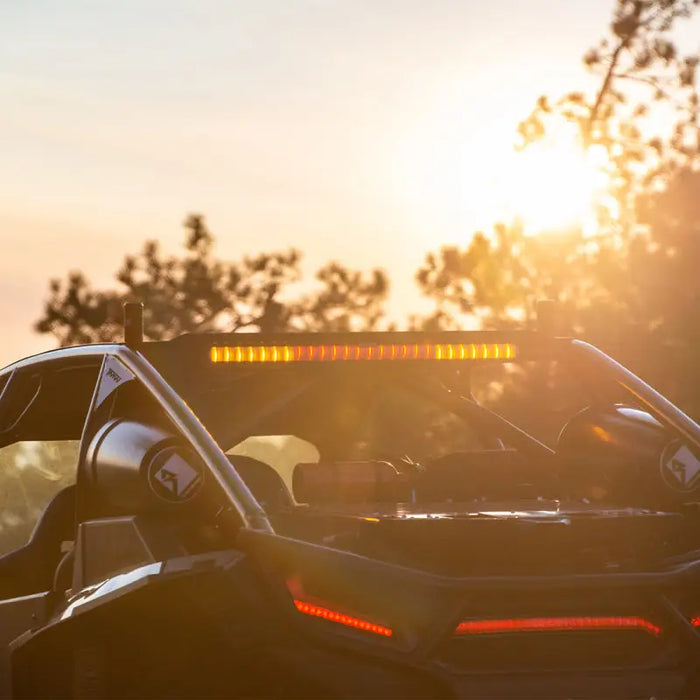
(695, 622)
(353, 352)
(556, 624)
(333, 616)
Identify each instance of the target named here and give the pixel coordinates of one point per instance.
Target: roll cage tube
(249, 511)
(597, 363)
(489, 421)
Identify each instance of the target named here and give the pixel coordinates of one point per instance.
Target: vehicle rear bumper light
(340, 618)
(349, 353)
(556, 624)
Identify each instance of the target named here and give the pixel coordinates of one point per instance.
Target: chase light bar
(355, 352)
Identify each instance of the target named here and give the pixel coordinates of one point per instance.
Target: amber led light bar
(357, 352)
(557, 624)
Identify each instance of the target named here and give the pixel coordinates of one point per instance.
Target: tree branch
(604, 88)
(653, 81)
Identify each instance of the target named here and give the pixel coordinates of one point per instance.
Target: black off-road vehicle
(345, 515)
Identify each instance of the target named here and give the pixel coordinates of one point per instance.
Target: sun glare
(550, 186)
(557, 186)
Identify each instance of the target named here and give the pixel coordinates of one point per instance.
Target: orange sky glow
(366, 131)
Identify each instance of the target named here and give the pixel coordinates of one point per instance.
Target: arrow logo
(176, 479)
(680, 467)
(169, 480)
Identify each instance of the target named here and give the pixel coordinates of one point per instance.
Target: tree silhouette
(499, 277)
(639, 70)
(667, 290)
(198, 292)
(643, 79)
(631, 287)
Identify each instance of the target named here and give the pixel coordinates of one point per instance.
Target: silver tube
(249, 510)
(659, 406)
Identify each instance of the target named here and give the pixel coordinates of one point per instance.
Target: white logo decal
(114, 374)
(176, 479)
(680, 468)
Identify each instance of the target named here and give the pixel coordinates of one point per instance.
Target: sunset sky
(367, 131)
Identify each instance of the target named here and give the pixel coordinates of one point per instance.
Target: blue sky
(357, 130)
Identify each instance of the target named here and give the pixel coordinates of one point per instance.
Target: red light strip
(695, 622)
(556, 624)
(332, 616)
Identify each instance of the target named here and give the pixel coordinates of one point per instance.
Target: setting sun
(556, 185)
(551, 186)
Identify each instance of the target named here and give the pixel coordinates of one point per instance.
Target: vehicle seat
(30, 569)
(263, 481)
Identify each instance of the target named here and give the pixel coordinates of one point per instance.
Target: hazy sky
(366, 131)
